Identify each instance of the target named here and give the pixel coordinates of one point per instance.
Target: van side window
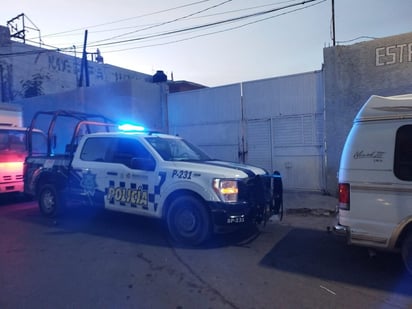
(403, 153)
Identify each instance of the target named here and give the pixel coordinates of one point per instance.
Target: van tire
(188, 221)
(50, 201)
(407, 252)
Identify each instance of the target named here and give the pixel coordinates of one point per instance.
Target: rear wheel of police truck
(188, 220)
(50, 201)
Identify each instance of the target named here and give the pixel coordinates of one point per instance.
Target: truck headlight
(227, 190)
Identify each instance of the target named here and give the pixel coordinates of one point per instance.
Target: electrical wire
(186, 17)
(215, 32)
(184, 30)
(221, 22)
(130, 18)
(356, 39)
(159, 12)
(166, 22)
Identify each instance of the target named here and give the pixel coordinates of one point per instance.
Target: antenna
(18, 28)
(333, 23)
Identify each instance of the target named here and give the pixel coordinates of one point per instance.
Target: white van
(375, 177)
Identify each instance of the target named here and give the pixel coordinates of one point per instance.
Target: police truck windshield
(176, 149)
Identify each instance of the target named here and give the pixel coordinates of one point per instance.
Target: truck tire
(50, 201)
(407, 252)
(188, 221)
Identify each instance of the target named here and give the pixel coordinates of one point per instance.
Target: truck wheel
(50, 203)
(407, 251)
(188, 221)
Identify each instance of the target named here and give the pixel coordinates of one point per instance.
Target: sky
(210, 42)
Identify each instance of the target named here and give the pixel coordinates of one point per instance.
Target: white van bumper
(340, 230)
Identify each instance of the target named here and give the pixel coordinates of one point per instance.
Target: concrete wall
(354, 73)
(23, 66)
(129, 101)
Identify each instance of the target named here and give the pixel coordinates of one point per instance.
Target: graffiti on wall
(34, 86)
(72, 66)
(53, 72)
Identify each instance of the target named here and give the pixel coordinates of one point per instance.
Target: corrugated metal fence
(275, 123)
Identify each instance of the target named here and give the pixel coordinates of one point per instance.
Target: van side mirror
(146, 164)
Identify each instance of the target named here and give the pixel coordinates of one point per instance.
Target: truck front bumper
(233, 214)
(12, 187)
(259, 198)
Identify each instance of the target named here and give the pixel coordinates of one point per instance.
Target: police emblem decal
(88, 183)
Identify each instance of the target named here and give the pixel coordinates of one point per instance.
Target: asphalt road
(91, 259)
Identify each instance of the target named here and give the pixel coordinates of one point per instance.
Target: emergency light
(131, 127)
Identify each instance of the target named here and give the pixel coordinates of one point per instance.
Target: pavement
(296, 201)
(312, 210)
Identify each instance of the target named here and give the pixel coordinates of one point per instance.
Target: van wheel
(50, 201)
(407, 252)
(188, 221)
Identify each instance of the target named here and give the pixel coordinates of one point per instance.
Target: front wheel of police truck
(188, 220)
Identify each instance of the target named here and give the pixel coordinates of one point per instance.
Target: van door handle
(112, 173)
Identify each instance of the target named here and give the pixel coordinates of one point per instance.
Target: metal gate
(284, 125)
(209, 118)
(290, 145)
(276, 123)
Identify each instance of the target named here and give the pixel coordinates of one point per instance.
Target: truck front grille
(255, 190)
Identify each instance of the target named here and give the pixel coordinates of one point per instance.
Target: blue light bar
(131, 127)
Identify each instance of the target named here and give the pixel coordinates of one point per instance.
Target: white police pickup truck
(150, 174)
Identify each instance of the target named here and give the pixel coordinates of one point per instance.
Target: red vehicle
(13, 152)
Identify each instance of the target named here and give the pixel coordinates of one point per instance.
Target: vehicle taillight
(344, 196)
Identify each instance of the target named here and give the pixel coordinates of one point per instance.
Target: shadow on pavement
(323, 255)
(13, 198)
(116, 225)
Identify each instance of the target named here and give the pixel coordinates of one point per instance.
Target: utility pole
(333, 23)
(84, 66)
